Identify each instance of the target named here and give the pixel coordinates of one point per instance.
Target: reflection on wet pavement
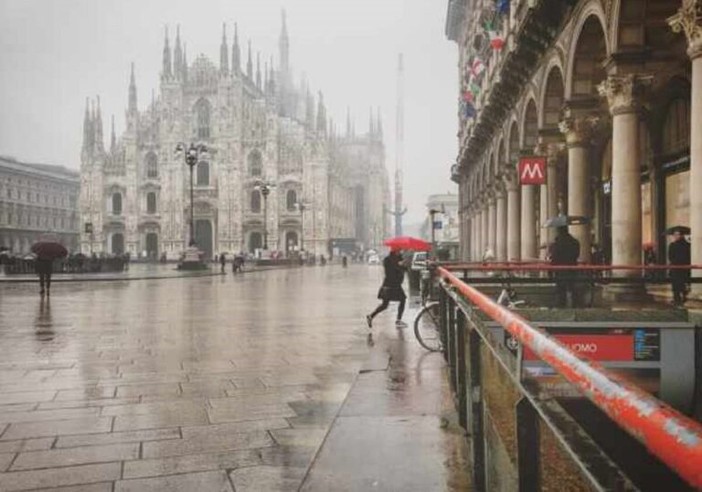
(208, 383)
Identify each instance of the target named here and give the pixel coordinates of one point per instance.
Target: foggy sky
(55, 53)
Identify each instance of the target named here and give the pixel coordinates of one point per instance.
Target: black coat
(565, 250)
(679, 254)
(391, 290)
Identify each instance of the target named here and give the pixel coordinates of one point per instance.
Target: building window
(676, 130)
(256, 201)
(202, 112)
(255, 164)
(151, 165)
(291, 200)
(203, 174)
(117, 203)
(151, 203)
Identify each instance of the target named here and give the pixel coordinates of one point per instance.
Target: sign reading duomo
(259, 128)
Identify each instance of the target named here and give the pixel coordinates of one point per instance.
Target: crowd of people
(73, 263)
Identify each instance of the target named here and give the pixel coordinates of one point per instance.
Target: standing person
(223, 260)
(391, 289)
(679, 254)
(43, 267)
(564, 251)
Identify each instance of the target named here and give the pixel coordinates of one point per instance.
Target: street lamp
(432, 213)
(302, 207)
(192, 157)
(193, 154)
(265, 188)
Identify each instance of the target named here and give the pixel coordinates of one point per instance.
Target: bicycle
(508, 296)
(427, 321)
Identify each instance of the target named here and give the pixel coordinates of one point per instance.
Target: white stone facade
(258, 127)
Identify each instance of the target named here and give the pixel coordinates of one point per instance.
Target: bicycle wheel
(426, 327)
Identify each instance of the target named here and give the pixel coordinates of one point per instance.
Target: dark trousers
(679, 289)
(45, 280)
(564, 285)
(384, 305)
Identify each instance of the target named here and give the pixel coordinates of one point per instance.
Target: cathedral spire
(321, 115)
(271, 78)
(224, 53)
(249, 64)
(185, 62)
(178, 56)
(284, 46)
(99, 139)
(371, 123)
(309, 110)
(348, 121)
(132, 107)
(113, 137)
(379, 126)
(236, 52)
(258, 70)
(166, 71)
(87, 127)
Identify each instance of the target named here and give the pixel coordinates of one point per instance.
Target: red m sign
(532, 170)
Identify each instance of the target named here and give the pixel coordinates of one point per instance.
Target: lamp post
(432, 213)
(265, 188)
(302, 207)
(192, 156)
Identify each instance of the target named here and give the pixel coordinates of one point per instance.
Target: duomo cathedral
(263, 132)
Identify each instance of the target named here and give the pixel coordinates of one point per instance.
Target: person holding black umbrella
(565, 250)
(679, 254)
(46, 251)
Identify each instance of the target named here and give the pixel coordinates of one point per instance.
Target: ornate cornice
(688, 20)
(624, 93)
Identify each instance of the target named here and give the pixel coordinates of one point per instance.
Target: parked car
(419, 261)
(373, 259)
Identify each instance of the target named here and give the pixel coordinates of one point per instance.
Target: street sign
(532, 170)
(88, 227)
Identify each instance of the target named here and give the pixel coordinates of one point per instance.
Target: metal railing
(478, 365)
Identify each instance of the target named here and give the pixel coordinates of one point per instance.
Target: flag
(502, 6)
(468, 110)
(468, 96)
(496, 39)
(477, 67)
(475, 89)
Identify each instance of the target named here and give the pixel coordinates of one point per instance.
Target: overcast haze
(55, 53)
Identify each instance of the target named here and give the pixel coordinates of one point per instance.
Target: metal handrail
(674, 438)
(545, 267)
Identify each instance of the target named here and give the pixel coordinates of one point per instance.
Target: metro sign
(532, 170)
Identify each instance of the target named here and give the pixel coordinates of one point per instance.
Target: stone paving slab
(196, 384)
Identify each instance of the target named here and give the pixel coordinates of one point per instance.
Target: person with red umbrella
(47, 251)
(391, 289)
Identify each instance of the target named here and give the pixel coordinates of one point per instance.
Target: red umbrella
(407, 242)
(49, 250)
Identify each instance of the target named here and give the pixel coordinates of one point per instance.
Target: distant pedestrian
(237, 263)
(344, 261)
(43, 267)
(679, 254)
(223, 260)
(391, 289)
(565, 250)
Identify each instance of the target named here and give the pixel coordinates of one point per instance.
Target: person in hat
(391, 289)
(679, 254)
(564, 250)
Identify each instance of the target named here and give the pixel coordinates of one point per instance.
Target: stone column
(624, 94)
(548, 198)
(513, 217)
(501, 219)
(688, 20)
(528, 229)
(578, 132)
(485, 224)
(492, 222)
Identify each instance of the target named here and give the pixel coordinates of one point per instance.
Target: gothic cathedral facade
(262, 132)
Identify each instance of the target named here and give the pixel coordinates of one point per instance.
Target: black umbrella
(678, 228)
(567, 220)
(47, 250)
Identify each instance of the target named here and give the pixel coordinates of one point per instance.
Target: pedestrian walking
(391, 289)
(565, 251)
(679, 254)
(43, 267)
(223, 260)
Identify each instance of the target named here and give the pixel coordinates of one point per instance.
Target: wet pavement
(257, 382)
